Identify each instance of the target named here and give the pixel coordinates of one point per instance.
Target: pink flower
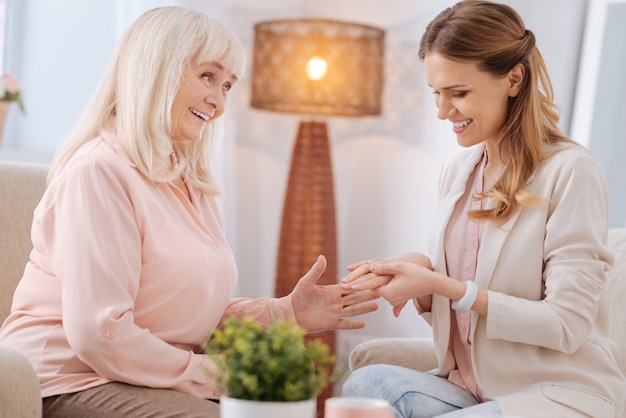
(11, 84)
(11, 90)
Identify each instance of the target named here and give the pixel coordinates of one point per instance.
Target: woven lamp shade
(354, 54)
(352, 86)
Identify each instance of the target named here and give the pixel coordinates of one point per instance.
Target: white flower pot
(240, 408)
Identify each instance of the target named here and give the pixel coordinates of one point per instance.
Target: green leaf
(272, 363)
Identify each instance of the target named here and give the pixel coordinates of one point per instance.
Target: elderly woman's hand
(326, 307)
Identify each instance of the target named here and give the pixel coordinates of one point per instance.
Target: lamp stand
(308, 221)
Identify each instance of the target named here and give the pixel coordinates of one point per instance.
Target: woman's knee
(369, 381)
(354, 383)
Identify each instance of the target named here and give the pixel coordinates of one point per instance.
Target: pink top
(126, 280)
(462, 242)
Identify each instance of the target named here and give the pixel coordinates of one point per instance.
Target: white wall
(385, 167)
(600, 111)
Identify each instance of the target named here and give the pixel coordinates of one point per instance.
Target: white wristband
(467, 301)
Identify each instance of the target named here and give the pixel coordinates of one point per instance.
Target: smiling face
(474, 101)
(201, 97)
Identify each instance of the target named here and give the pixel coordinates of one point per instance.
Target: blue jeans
(414, 394)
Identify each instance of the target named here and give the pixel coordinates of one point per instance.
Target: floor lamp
(315, 67)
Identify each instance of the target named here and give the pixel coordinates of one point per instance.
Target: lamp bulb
(316, 68)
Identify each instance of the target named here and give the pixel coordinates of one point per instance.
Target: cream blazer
(542, 351)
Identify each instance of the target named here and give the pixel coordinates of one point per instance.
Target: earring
(173, 156)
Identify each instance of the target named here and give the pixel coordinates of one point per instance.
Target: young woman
(130, 271)
(518, 255)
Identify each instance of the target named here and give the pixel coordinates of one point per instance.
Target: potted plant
(261, 369)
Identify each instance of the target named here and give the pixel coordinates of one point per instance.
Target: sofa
(21, 187)
(419, 354)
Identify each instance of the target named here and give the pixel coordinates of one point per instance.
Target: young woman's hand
(396, 279)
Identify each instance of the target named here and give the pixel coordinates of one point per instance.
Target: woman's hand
(325, 307)
(396, 279)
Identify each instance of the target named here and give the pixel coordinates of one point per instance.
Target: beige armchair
(418, 353)
(21, 188)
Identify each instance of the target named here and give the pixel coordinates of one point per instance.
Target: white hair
(134, 98)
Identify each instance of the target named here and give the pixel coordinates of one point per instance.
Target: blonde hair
(494, 36)
(135, 96)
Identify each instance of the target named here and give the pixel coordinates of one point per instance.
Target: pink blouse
(462, 242)
(126, 280)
